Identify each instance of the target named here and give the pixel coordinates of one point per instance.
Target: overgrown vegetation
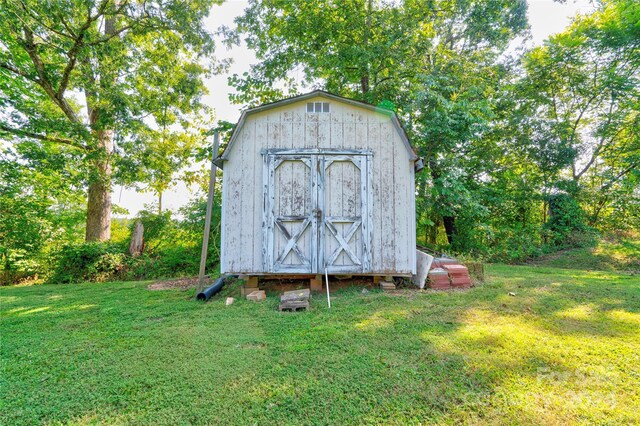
(561, 351)
(172, 249)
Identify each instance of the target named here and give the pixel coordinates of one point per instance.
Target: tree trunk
(364, 84)
(448, 220)
(449, 228)
(99, 198)
(136, 246)
(364, 78)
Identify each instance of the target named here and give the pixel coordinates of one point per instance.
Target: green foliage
(93, 261)
(499, 135)
(560, 351)
(159, 228)
(41, 209)
(74, 74)
(565, 218)
(172, 248)
(580, 97)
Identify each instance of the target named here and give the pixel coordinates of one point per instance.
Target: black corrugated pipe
(213, 289)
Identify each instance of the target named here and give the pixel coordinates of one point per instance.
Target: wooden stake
(207, 219)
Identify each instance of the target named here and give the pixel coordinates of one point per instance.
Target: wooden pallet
(294, 305)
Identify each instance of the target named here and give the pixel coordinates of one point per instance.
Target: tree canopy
(101, 78)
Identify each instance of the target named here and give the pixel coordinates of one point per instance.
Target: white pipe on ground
(326, 277)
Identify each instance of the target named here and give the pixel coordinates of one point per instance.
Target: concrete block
(387, 285)
(244, 290)
(316, 283)
(257, 296)
(302, 294)
(250, 281)
(439, 279)
(294, 305)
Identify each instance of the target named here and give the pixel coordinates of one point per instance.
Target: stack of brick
(448, 273)
(439, 279)
(459, 276)
(250, 285)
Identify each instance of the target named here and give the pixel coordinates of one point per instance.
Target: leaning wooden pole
(207, 219)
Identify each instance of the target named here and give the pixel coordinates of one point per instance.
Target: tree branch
(45, 138)
(72, 54)
(15, 70)
(109, 37)
(39, 21)
(43, 80)
(616, 178)
(600, 145)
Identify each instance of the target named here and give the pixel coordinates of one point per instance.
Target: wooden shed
(318, 182)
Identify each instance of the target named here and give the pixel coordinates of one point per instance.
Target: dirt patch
(179, 283)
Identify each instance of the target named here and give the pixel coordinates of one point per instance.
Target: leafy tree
(40, 206)
(580, 96)
(435, 61)
(95, 77)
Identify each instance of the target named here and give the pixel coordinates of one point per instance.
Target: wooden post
(137, 239)
(207, 219)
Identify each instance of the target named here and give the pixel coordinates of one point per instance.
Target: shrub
(94, 261)
(17, 265)
(566, 222)
(107, 267)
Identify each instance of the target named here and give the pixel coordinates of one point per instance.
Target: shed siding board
(392, 206)
(256, 190)
(230, 205)
(324, 129)
(246, 208)
(223, 226)
(376, 243)
(259, 134)
(386, 201)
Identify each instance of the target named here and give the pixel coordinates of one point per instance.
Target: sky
(546, 17)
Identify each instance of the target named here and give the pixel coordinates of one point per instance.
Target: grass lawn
(564, 349)
(612, 254)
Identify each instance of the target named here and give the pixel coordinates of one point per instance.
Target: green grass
(564, 349)
(613, 254)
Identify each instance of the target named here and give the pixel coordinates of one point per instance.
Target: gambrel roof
(313, 94)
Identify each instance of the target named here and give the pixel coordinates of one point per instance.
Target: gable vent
(318, 107)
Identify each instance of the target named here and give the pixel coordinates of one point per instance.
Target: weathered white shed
(318, 181)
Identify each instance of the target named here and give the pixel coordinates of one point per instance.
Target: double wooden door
(317, 212)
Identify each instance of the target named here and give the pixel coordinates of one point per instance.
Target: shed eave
(315, 93)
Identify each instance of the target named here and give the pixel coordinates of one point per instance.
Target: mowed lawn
(564, 349)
